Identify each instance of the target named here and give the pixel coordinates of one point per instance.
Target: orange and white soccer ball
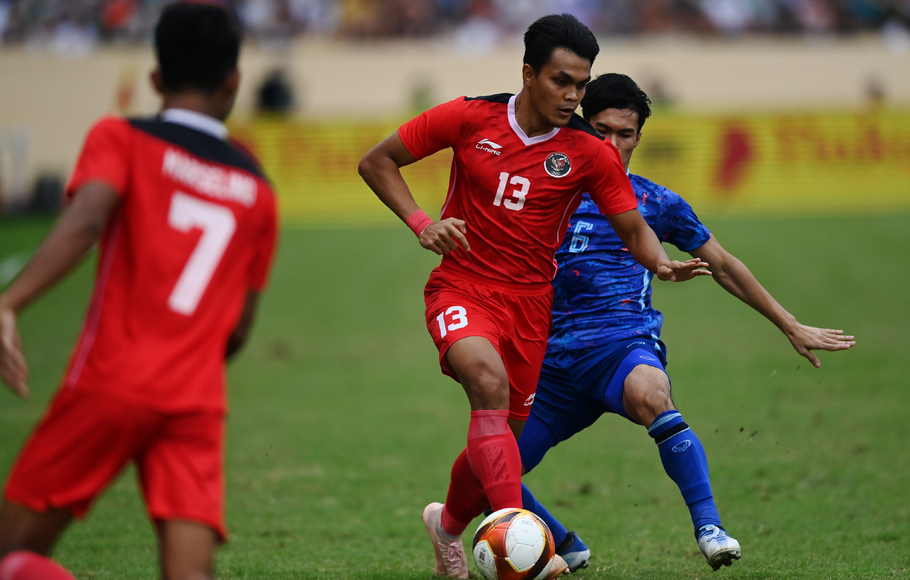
(513, 544)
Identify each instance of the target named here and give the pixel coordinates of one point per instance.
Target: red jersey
(516, 193)
(195, 230)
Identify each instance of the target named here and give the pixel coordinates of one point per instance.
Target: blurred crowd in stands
(75, 26)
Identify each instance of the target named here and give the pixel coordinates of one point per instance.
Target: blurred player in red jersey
(187, 230)
(521, 163)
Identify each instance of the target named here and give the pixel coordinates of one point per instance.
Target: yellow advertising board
(313, 167)
(758, 163)
(814, 162)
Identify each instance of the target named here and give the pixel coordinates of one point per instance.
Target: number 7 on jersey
(217, 224)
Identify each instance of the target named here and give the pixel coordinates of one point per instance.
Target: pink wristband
(418, 221)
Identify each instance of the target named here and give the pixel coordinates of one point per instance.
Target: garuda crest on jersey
(557, 164)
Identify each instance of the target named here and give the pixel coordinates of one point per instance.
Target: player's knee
(489, 395)
(646, 395)
(486, 389)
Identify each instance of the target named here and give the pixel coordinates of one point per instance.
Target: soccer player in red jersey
(521, 163)
(187, 228)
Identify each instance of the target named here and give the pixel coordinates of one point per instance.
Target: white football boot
(719, 548)
(574, 552)
(450, 558)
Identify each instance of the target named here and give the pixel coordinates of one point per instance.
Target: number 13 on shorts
(453, 318)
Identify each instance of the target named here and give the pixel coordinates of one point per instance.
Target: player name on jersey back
(210, 180)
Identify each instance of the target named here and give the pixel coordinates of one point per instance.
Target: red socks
(25, 565)
(487, 473)
(493, 453)
(465, 498)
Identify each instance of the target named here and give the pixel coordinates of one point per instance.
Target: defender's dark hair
(615, 91)
(197, 45)
(558, 31)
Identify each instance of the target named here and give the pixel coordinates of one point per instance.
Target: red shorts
(85, 440)
(515, 320)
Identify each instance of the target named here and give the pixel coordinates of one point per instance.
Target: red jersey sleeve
(104, 156)
(433, 130)
(611, 188)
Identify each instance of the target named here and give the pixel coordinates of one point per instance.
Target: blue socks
(530, 503)
(685, 462)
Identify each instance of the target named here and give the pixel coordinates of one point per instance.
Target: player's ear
(232, 82)
(527, 74)
(228, 92)
(157, 80)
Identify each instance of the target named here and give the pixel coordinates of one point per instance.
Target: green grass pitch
(342, 427)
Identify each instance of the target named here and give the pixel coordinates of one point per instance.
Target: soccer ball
(513, 544)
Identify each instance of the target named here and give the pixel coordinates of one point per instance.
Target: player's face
(556, 91)
(621, 127)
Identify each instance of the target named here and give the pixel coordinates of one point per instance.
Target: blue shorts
(577, 387)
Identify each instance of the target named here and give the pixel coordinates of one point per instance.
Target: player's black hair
(558, 31)
(615, 91)
(197, 45)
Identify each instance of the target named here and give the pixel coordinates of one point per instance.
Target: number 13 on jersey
(516, 196)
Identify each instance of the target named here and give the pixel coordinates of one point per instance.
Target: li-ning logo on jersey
(558, 164)
(489, 147)
(530, 400)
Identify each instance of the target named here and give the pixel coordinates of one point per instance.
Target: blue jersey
(602, 295)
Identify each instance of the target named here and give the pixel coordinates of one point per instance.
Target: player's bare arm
(13, 369)
(649, 252)
(380, 168)
(736, 278)
(74, 234)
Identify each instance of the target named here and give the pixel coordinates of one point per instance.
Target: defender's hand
(805, 339)
(676, 271)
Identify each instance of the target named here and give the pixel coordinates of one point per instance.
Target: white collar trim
(520, 132)
(197, 121)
